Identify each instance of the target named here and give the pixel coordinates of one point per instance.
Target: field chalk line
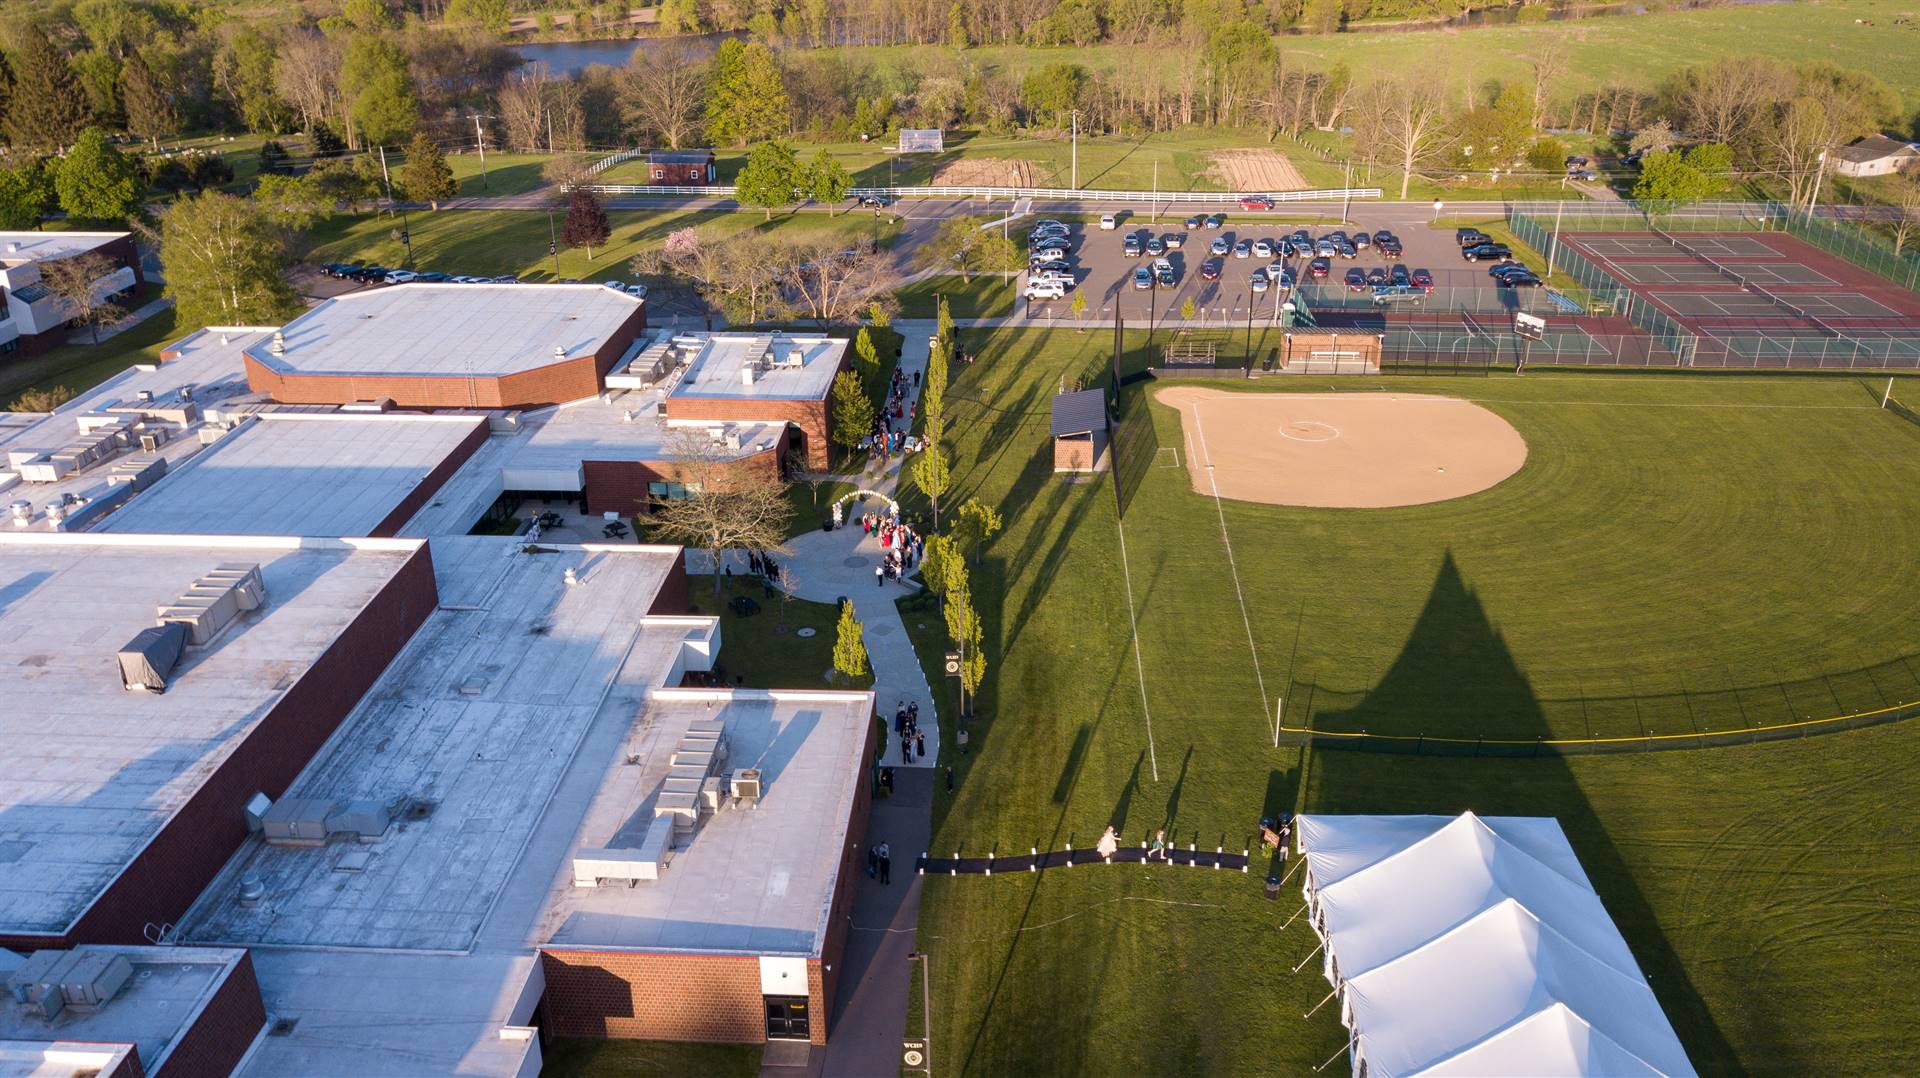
(1245, 619)
(1139, 668)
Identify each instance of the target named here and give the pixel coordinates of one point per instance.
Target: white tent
(1476, 946)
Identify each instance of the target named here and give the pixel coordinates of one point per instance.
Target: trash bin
(1273, 887)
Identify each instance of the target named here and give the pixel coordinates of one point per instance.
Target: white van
(1109, 222)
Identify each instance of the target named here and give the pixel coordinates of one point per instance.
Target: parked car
(1348, 250)
(1362, 241)
(1195, 222)
(1400, 277)
(1523, 279)
(1384, 236)
(639, 291)
(1589, 176)
(1503, 267)
(1300, 238)
(1219, 246)
(1325, 249)
(1338, 236)
(1049, 222)
(1059, 277)
(872, 201)
(1255, 202)
(1163, 273)
(505, 278)
(1319, 267)
(1484, 251)
(1423, 280)
(1216, 220)
(1047, 253)
(1058, 265)
(401, 276)
(1131, 247)
(1210, 270)
(1284, 279)
(1109, 222)
(1049, 230)
(1389, 250)
(1142, 278)
(1356, 280)
(1258, 281)
(1045, 290)
(1176, 240)
(1156, 247)
(1376, 277)
(1243, 249)
(435, 278)
(1263, 248)
(1471, 237)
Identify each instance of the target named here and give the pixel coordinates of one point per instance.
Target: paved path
(138, 315)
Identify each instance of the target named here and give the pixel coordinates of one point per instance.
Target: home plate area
(1342, 450)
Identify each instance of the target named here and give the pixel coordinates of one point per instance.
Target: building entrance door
(787, 1018)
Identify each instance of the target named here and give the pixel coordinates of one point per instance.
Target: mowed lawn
(1663, 530)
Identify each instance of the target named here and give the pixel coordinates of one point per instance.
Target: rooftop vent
(279, 345)
(559, 352)
(253, 890)
(144, 396)
(13, 248)
(744, 784)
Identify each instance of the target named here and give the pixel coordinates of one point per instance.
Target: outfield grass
(494, 242)
(1666, 534)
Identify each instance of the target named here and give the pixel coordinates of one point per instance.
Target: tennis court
(1822, 305)
(1641, 245)
(1690, 272)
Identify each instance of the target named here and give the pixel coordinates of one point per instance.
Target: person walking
(1159, 850)
(1108, 845)
(873, 862)
(949, 778)
(886, 865)
(879, 576)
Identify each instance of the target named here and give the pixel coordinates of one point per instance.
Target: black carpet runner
(1131, 855)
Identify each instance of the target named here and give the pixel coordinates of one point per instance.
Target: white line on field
(1139, 668)
(1245, 618)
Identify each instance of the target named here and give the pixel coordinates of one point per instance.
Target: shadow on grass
(1455, 662)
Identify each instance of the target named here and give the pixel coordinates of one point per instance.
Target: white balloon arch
(893, 507)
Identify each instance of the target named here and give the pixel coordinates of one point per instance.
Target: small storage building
(1080, 431)
(681, 168)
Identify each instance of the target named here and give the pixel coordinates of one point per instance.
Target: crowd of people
(901, 546)
(892, 423)
(906, 727)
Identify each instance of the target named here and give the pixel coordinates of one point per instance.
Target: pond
(567, 58)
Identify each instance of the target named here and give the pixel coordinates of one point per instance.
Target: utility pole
(480, 135)
(1553, 241)
(549, 130)
(1076, 149)
(1156, 191)
(385, 178)
(1819, 170)
(1346, 202)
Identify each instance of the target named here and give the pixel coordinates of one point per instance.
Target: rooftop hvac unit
(746, 375)
(147, 659)
(144, 396)
(153, 438)
(744, 784)
(796, 357)
(297, 821)
(94, 977)
(362, 820)
(733, 439)
(36, 984)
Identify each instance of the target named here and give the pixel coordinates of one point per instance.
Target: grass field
(986, 296)
(1665, 532)
(765, 649)
(515, 241)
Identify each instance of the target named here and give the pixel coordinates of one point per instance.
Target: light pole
(1075, 151)
(1819, 170)
(1436, 211)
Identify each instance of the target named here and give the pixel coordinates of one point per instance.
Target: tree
(849, 647)
(426, 177)
(1656, 137)
(307, 74)
(960, 245)
(853, 413)
(273, 159)
(943, 567)
(769, 177)
(1079, 307)
(963, 628)
(379, 89)
(225, 261)
(933, 383)
(976, 522)
(957, 37)
(662, 91)
(1549, 63)
(1402, 123)
(943, 322)
(296, 203)
(1547, 155)
(929, 468)
(150, 113)
(586, 224)
(42, 400)
(1054, 91)
(728, 505)
(1906, 219)
(826, 180)
(493, 16)
(75, 282)
(245, 72)
(97, 182)
(46, 108)
(1187, 308)
(877, 314)
(26, 195)
(825, 281)
(866, 362)
(746, 99)
(1672, 177)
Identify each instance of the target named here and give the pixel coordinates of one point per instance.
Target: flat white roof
(717, 368)
(449, 330)
(169, 988)
(753, 881)
(20, 247)
(629, 426)
(298, 473)
(478, 719)
(90, 772)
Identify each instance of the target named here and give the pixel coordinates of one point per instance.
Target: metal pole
(549, 132)
(1346, 201)
(1819, 170)
(385, 177)
(1553, 241)
(1075, 151)
(480, 136)
(1156, 191)
(1888, 395)
(553, 245)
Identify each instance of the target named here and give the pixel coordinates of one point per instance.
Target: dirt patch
(1255, 170)
(1341, 450)
(986, 172)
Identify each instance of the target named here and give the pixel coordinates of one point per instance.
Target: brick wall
(223, 1031)
(428, 486)
(164, 878)
(551, 384)
(620, 486)
(671, 997)
(673, 597)
(809, 416)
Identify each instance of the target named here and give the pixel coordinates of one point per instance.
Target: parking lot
(1104, 274)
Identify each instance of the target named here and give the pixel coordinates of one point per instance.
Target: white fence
(1048, 194)
(613, 159)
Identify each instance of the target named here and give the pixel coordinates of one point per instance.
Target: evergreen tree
(866, 361)
(586, 224)
(323, 141)
(225, 262)
(746, 100)
(428, 178)
(97, 182)
(849, 648)
(957, 27)
(273, 158)
(878, 315)
(852, 410)
(769, 177)
(47, 109)
(943, 323)
(150, 112)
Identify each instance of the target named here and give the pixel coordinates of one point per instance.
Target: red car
(1356, 280)
(1255, 202)
(1319, 267)
(1423, 280)
(1210, 270)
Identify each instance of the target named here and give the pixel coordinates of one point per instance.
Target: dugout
(1330, 351)
(1080, 431)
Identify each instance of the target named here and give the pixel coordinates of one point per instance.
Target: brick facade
(809, 416)
(427, 487)
(190, 849)
(620, 486)
(223, 1030)
(554, 383)
(645, 996)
